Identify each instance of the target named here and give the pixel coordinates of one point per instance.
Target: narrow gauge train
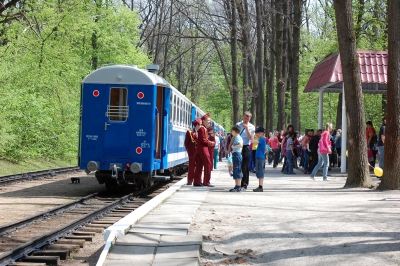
(132, 126)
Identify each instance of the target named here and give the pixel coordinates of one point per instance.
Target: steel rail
(35, 244)
(8, 228)
(36, 174)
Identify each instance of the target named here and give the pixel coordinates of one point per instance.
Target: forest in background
(225, 55)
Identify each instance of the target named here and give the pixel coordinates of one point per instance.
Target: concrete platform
(160, 237)
(161, 229)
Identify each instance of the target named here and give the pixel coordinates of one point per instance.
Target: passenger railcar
(132, 126)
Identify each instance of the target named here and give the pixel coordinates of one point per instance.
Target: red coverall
(190, 145)
(202, 157)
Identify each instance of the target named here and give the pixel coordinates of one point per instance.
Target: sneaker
(189, 183)
(327, 179)
(198, 185)
(311, 177)
(258, 189)
(235, 189)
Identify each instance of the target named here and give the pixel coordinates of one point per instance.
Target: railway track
(55, 234)
(9, 179)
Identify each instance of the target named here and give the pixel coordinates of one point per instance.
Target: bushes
(42, 65)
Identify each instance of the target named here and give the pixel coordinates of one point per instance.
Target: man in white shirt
(246, 128)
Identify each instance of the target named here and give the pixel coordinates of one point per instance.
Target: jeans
(245, 165)
(215, 158)
(322, 158)
(381, 150)
(237, 165)
(305, 160)
(260, 162)
(289, 163)
(277, 154)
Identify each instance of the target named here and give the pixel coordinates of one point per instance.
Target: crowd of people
(250, 149)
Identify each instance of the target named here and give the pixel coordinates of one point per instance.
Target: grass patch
(29, 165)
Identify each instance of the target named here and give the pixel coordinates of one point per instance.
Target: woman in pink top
(322, 155)
(276, 147)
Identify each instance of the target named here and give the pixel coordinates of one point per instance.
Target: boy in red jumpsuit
(203, 156)
(190, 145)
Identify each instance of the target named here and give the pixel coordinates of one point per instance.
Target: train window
(171, 109)
(186, 115)
(176, 109)
(182, 112)
(118, 108)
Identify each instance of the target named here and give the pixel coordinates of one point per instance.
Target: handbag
(370, 155)
(322, 148)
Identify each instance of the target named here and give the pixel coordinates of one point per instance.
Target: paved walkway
(297, 221)
(160, 238)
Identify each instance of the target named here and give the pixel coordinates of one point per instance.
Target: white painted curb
(106, 249)
(123, 225)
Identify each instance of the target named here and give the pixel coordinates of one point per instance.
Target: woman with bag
(372, 140)
(324, 149)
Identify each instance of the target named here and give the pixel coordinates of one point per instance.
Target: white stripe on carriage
(177, 156)
(178, 128)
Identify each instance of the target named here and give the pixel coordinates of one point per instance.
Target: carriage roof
(128, 75)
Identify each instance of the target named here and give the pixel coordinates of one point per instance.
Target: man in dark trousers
(314, 149)
(246, 128)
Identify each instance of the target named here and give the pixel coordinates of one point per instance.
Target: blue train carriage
(132, 126)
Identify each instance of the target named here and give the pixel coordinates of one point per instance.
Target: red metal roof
(373, 69)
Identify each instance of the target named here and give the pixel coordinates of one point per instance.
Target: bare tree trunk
(286, 61)
(245, 25)
(358, 173)
(279, 71)
(159, 36)
(271, 74)
(260, 65)
(166, 45)
(246, 91)
(391, 177)
(339, 112)
(235, 83)
(95, 47)
(297, 6)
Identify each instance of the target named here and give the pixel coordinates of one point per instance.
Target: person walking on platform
(246, 128)
(216, 149)
(324, 149)
(276, 147)
(203, 159)
(314, 149)
(190, 145)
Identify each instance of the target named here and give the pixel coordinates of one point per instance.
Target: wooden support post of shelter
(327, 77)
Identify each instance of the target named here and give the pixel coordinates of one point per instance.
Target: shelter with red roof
(328, 77)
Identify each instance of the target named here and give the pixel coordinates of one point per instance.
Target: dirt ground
(28, 198)
(297, 221)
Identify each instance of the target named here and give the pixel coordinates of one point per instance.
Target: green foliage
(42, 63)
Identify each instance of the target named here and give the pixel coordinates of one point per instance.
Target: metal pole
(320, 108)
(344, 135)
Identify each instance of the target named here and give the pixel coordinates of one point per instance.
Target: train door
(193, 115)
(116, 136)
(160, 122)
